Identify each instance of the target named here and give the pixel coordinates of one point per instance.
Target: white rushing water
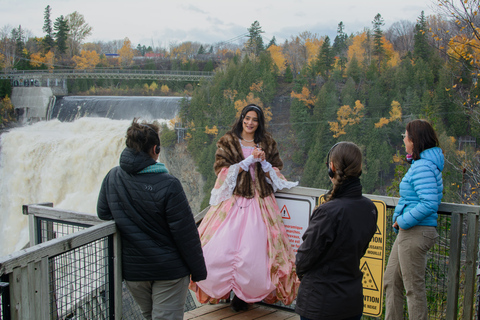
(53, 161)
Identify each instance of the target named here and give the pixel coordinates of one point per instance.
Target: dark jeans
(351, 318)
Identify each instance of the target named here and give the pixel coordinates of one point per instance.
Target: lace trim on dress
(226, 189)
(279, 184)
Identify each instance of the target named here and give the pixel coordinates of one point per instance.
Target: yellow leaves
(346, 116)
(305, 97)
(257, 87)
(86, 60)
(126, 53)
(395, 115)
(312, 47)
(212, 131)
(381, 123)
(278, 57)
(230, 94)
(48, 59)
(150, 89)
(165, 89)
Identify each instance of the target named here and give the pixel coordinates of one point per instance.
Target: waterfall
(53, 161)
(69, 108)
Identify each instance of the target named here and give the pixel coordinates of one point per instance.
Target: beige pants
(406, 269)
(160, 300)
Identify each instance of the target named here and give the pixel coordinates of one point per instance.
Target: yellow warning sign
(372, 265)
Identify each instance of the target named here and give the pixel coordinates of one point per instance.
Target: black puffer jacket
(160, 240)
(328, 260)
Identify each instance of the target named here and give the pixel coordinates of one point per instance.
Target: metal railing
(166, 75)
(32, 280)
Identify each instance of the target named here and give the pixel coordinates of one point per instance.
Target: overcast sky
(159, 23)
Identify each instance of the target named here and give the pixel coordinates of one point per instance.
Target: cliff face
(180, 164)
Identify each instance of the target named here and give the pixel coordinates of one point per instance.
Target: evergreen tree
(340, 47)
(325, 58)
(61, 34)
(255, 40)
(201, 50)
(272, 42)
(378, 50)
(48, 41)
(421, 48)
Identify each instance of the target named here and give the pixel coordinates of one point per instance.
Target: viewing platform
(71, 268)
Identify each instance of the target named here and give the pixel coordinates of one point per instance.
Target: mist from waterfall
(53, 161)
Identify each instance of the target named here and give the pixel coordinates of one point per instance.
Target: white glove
(266, 166)
(245, 164)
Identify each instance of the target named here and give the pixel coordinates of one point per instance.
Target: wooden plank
(279, 315)
(56, 246)
(454, 266)
(64, 215)
(222, 311)
(44, 311)
(15, 294)
(255, 312)
(204, 309)
(470, 267)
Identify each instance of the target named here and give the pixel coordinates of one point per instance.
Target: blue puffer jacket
(421, 191)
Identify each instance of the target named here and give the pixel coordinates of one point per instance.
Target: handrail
(55, 247)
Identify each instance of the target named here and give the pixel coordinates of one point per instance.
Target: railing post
(118, 277)
(470, 267)
(454, 266)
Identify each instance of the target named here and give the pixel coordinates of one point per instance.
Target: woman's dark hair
(143, 136)
(237, 127)
(422, 135)
(347, 160)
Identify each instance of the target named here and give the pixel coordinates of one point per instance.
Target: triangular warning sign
(378, 231)
(368, 281)
(284, 212)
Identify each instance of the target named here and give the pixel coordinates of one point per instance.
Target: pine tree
(378, 50)
(325, 58)
(61, 34)
(48, 41)
(421, 48)
(340, 46)
(272, 42)
(255, 41)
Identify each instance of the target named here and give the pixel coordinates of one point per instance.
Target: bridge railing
(73, 265)
(102, 73)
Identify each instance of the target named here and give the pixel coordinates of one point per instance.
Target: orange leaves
(305, 96)
(87, 60)
(346, 116)
(395, 115)
(37, 60)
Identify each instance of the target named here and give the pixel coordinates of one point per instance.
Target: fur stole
(229, 152)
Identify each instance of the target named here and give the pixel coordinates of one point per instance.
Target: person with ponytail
(415, 222)
(161, 247)
(244, 240)
(337, 237)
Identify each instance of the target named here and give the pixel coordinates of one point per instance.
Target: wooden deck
(256, 311)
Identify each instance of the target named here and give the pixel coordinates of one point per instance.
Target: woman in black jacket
(160, 243)
(337, 237)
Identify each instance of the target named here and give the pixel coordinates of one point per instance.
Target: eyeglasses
(404, 135)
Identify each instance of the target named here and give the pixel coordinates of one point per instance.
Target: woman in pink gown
(245, 245)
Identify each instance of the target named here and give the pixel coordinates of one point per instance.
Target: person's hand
(396, 226)
(258, 154)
